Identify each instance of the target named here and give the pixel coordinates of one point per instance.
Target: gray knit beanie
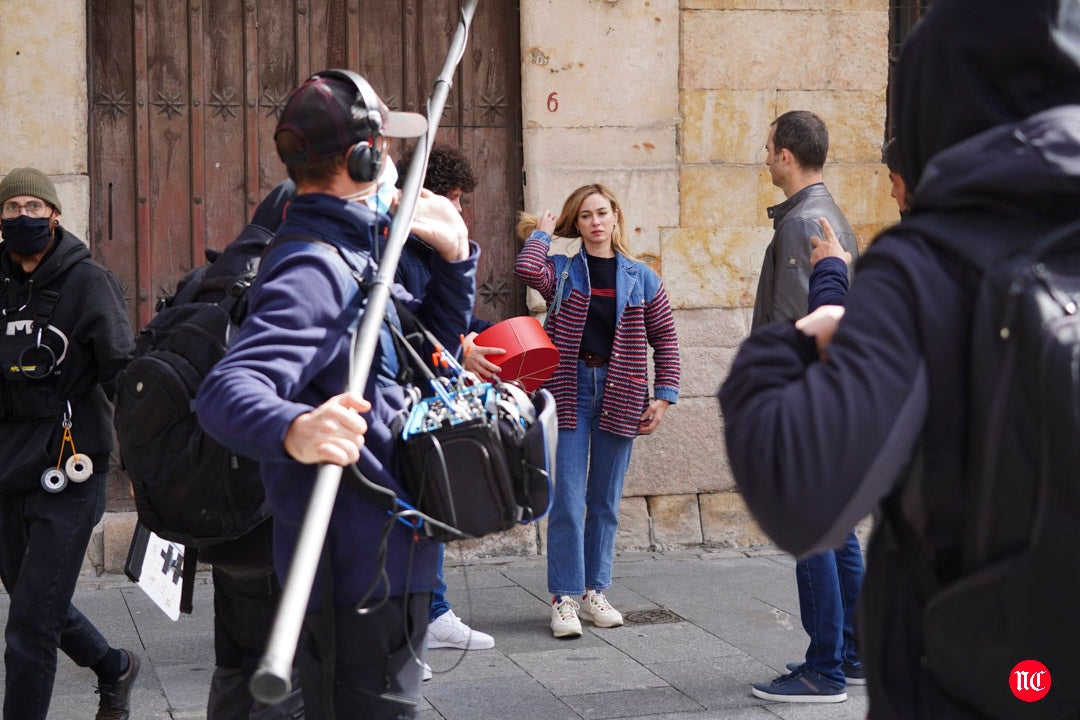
(29, 181)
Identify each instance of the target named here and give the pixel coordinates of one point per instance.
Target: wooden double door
(185, 96)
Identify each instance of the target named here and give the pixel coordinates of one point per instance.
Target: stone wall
(44, 105)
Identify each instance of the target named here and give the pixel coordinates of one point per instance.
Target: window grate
(903, 14)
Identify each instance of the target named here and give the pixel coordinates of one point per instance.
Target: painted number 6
(553, 102)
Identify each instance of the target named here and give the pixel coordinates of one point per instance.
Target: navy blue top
(414, 271)
(828, 283)
(600, 323)
(292, 353)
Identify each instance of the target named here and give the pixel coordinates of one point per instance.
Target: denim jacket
(643, 318)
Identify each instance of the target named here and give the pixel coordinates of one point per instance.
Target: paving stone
(715, 683)
(451, 665)
(578, 670)
(521, 699)
(630, 703)
(668, 642)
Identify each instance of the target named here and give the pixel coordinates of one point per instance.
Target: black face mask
(25, 235)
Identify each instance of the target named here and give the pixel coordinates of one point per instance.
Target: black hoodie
(92, 340)
(815, 446)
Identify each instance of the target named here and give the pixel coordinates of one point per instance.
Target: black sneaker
(116, 696)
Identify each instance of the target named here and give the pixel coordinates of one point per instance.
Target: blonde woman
(604, 309)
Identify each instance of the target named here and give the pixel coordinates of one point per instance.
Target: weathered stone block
(833, 5)
(862, 192)
(634, 526)
(590, 79)
(750, 49)
(520, 541)
(855, 118)
(726, 521)
(49, 132)
(711, 327)
(117, 529)
(632, 145)
(726, 126)
(685, 454)
(727, 195)
(74, 194)
(713, 267)
(675, 520)
(703, 369)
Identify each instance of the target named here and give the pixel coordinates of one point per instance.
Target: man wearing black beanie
(64, 339)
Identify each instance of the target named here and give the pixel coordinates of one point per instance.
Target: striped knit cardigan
(643, 318)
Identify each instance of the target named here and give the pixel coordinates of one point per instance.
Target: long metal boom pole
(272, 680)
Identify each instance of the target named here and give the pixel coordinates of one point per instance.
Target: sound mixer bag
(480, 459)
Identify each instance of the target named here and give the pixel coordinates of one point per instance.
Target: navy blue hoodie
(293, 353)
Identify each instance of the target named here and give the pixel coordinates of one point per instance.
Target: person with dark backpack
(208, 497)
(947, 393)
(280, 394)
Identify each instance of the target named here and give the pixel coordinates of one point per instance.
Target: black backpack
(1020, 578)
(189, 488)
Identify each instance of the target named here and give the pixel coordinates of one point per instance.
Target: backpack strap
(45, 305)
(411, 334)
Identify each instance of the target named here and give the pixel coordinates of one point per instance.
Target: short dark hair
(890, 155)
(304, 173)
(448, 168)
(804, 134)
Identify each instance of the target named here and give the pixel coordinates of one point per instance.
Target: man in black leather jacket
(795, 154)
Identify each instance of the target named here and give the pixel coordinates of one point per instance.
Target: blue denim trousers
(590, 469)
(829, 584)
(439, 604)
(43, 539)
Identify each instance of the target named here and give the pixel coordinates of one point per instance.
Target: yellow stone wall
(43, 106)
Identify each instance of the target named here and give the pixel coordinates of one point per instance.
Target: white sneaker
(447, 631)
(597, 609)
(564, 619)
(426, 673)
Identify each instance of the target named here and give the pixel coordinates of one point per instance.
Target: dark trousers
(829, 585)
(43, 540)
(245, 602)
(371, 662)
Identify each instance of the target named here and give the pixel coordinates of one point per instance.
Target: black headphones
(365, 160)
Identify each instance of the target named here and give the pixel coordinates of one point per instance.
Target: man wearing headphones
(278, 395)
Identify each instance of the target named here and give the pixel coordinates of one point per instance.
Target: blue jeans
(439, 604)
(590, 469)
(50, 533)
(829, 585)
